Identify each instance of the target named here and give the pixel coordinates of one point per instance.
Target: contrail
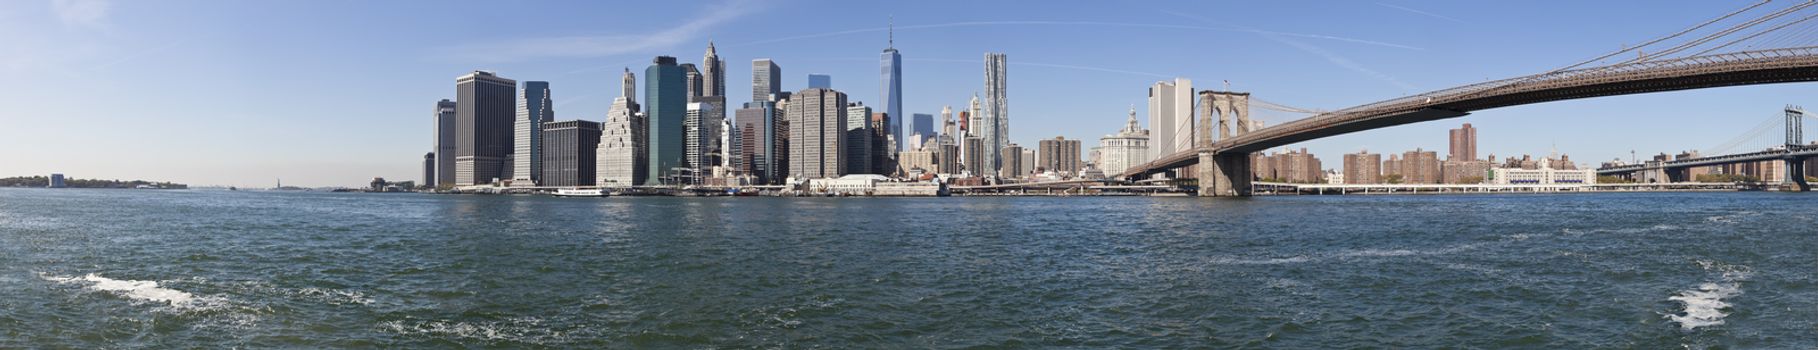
(1070, 23)
(1050, 65)
(1341, 61)
(1424, 13)
(1303, 35)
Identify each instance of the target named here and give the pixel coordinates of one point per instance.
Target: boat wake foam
(144, 291)
(1705, 305)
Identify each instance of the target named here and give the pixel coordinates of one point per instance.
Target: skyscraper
(883, 144)
(817, 126)
(534, 109)
(890, 88)
(483, 115)
(997, 108)
(445, 144)
(859, 137)
(569, 153)
(921, 123)
(820, 81)
(1464, 143)
(947, 126)
(429, 169)
(1059, 155)
(760, 129)
(1012, 158)
(713, 73)
(766, 79)
(1170, 117)
(692, 75)
(701, 129)
(622, 157)
(971, 151)
(666, 96)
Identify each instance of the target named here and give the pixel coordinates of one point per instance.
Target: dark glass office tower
(666, 104)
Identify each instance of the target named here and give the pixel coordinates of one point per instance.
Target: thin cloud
(1070, 23)
(82, 13)
(602, 45)
(1419, 12)
(134, 56)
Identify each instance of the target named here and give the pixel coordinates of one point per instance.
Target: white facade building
(1128, 148)
(1546, 175)
(534, 109)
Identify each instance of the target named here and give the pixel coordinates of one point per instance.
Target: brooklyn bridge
(1758, 44)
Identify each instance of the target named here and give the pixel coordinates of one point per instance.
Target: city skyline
(1057, 90)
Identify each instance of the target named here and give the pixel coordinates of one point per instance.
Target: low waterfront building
(908, 189)
(1543, 176)
(855, 184)
(56, 181)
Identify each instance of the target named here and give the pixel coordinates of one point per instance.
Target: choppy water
(122, 268)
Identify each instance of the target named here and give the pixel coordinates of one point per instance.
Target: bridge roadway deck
(1805, 151)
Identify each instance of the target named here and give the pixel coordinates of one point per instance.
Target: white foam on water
(1730, 218)
(336, 296)
(521, 329)
(1704, 306)
(148, 291)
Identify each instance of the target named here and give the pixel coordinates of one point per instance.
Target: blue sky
(325, 93)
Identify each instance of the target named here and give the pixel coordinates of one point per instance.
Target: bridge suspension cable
(1259, 103)
(1723, 33)
(1751, 138)
(1752, 36)
(1657, 40)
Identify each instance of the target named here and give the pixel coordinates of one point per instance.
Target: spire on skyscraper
(892, 36)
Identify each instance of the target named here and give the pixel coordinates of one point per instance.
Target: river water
(216, 269)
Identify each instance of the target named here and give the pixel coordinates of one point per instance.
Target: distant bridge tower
(1795, 126)
(1795, 136)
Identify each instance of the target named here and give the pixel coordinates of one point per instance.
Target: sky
(333, 93)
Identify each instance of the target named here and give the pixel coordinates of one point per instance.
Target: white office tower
(534, 109)
(1170, 117)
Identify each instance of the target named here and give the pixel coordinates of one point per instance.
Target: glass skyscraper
(666, 103)
(891, 89)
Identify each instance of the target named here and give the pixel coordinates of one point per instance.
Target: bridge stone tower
(1223, 174)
